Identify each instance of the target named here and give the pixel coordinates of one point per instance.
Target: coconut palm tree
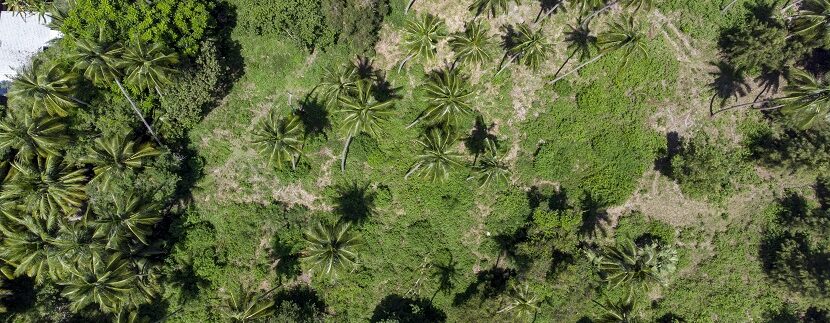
(449, 97)
(280, 139)
(75, 244)
(529, 47)
(624, 35)
(634, 266)
(337, 82)
(44, 88)
(421, 37)
(128, 217)
(28, 247)
(623, 311)
(489, 170)
(331, 247)
(246, 306)
(98, 61)
(473, 45)
(805, 98)
(813, 21)
(148, 67)
(46, 186)
(581, 43)
(111, 156)
(105, 281)
(33, 136)
(437, 158)
(492, 7)
(521, 302)
(362, 113)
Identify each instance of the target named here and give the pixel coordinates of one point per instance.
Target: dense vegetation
(419, 161)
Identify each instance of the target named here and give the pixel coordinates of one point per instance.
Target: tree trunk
(795, 3)
(79, 101)
(343, 154)
(503, 65)
(577, 68)
(404, 62)
(591, 16)
(565, 63)
(408, 6)
(138, 112)
(728, 6)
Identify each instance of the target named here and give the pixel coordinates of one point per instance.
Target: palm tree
(448, 94)
(148, 68)
(46, 186)
(44, 88)
(491, 170)
(421, 37)
(105, 281)
(29, 249)
(337, 82)
(437, 158)
(580, 42)
(330, 247)
(625, 35)
(75, 244)
(522, 302)
(33, 136)
(813, 21)
(362, 113)
(629, 264)
(618, 312)
(472, 46)
(280, 139)
(492, 7)
(805, 98)
(246, 306)
(113, 155)
(99, 61)
(530, 47)
(128, 217)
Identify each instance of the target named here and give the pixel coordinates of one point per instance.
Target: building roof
(20, 38)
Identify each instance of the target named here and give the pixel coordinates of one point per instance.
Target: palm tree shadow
(593, 219)
(398, 308)
(314, 116)
(447, 273)
(729, 81)
(355, 203)
(549, 7)
(489, 284)
(382, 89)
(286, 261)
(477, 142)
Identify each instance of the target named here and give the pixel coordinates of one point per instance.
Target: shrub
(778, 145)
(300, 20)
(709, 169)
(636, 227)
(357, 22)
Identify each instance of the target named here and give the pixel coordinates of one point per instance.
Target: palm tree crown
(128, 217)
(626, 35)
(421, 37)
(805, 98)
(492, 7)
(448, 94)
(330, 247)
(46, 186)
(472, 46)
(29, 249)
(148, 68)
(97, 60)
(113, 155)
(280, 139)
(104, 281)
(437, 158)
(629, 264)
(522, 302)
(530, 46)
(46, 89)
(813, 21)
(33, 136)
(246, 306)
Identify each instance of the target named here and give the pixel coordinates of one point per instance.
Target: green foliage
(46, 89)
(635, 267)
(449, 95)
(302, 21)
(33, 136)
(561, 227)
(357, 22)
(437, 159)
(778, 145)
(491, 7)
(636, 227)
(705, 171)
(474, 44)
(812, 21)
(805, 99)
(280, 139)
(530, 47)
(421, 37)
(46, 186)
(330, 248)
(246, 306)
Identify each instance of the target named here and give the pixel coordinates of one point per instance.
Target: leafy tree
(99, 61)
(635, 266)
(813, 21)
(706, 168)
(45, 89)
(246, 306)
(113, 155)
(437, 158)
(32, 135)
(805, 98)
(624, 35)
(105, 281)
(361, 113)
(331, 247)
(280, 139)
(46, 186)
(148, 67)
(421, 37)
(449, 97)
(129, 217)
(473, 45)
(492, 7)
(522, 302)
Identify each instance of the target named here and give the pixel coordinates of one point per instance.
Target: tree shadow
(489, 283)
(286, 260)
(729, 81)
(402, 309)
(663, 163)
(481, 139)
(355, 202)
(822, 189)
(818, 62)
(549, 7)
(382, 89)
(226, 17)
(307, 301)
(447, 273)
(314, 116)
(593, 218)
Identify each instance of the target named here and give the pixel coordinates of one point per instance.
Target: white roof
(20, 38)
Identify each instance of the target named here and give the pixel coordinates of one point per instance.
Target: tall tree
(473, 45)
(33, 136)
(361, 113)
(99, 62)
(805, 99)
(280, 139)
(491, 169)
(45, 88)
(105, 281)
(148, 67)
(437, 158)
(111, 156)
(624, 35)
(331, 247)
(46, 186)
(529, 47)
(522, 302)
(813, 21)
(634, 266)
(242, 306)
(623, 311)
(127, 218)
(421, 37)
(29, 249)
(492, 7)
(338, 81)
(449, 96)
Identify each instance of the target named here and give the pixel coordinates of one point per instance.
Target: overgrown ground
(598, 135)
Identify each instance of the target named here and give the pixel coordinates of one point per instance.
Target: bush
(300, 20)
(635, 227)
(709, 169)
(357, 22)
(778, 145)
